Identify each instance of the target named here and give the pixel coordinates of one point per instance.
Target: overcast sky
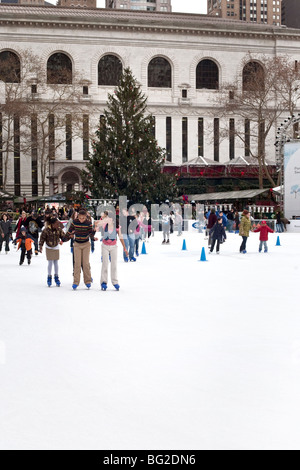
(185, 6)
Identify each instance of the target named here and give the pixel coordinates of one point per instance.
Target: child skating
(25, 245)
(264, 236)
(52, 236)
(165, 222)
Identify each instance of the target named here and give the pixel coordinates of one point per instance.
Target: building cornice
(52, 17)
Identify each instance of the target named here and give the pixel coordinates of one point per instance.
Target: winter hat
(245, 212)
(263, 222)
(23, 229)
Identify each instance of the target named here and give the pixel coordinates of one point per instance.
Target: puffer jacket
(26, 241)
(264, 231)
(51, 237)
(245, 226)
(218, 232)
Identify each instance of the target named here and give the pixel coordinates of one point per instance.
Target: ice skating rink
(188, 355)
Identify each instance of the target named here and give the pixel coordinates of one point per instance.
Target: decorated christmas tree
(126, 159)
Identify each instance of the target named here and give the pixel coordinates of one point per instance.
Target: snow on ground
(188, 355)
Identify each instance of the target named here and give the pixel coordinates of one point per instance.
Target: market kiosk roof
(246, 194)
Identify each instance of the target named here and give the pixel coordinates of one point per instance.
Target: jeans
(230, 225)
(136, 244)
(263, 244)
(131, 239)
(243, 245)
(279, 227)
(126, 243)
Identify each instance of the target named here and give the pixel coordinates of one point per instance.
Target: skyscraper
(147, 5)
(76, 3)
(291, 13)
(257, 11)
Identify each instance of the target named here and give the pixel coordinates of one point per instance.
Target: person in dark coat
(279, 224)
(217, 234)
(230, 218)
(237, 222)
(212, 219)
(33, 224)
(6, 230)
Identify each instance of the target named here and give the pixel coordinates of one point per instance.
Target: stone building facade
(179, 59)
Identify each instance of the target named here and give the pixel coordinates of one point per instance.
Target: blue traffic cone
(144, 252)
(184, 248)
(203, 255)
(278, 241)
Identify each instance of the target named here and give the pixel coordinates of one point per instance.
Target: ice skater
(264, 236)
(33, 224)
(82, 231)
(212, 220)
(218, 235)
(111, 232)
(165, 221)
(25, 245)
(6, 236)
(53, 236)
(245, 226)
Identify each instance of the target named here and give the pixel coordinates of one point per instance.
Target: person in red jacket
(264, 235)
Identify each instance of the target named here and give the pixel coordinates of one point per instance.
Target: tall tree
(26, 97)
(267, 89)
(13, 104)
(126, 159)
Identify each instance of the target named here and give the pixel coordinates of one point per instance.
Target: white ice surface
(188, 355)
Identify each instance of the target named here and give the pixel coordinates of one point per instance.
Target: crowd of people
(218, 222)
(41, 229)
(52, 227)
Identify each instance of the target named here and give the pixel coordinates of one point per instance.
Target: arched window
(253, 77)
(59, 69)
(109, 70)
(10, 68)
(207, 75)
(159, 73)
